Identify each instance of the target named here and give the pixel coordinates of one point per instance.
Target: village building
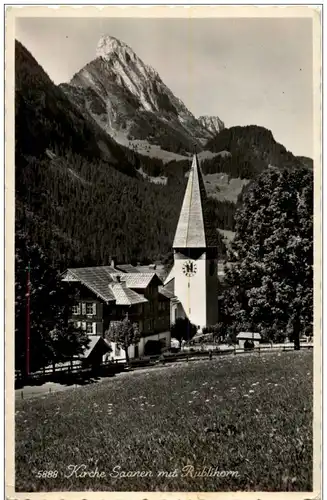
(193, 280)
(107, 294)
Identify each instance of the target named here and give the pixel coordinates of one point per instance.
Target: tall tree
(271, 282)
(183, 329)
(44, 328)
(124, 333)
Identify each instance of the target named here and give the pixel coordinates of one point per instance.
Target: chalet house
(107, 294)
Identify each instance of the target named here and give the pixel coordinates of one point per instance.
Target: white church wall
(191, 291)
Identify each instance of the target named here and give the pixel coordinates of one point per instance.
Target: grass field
(249, 417)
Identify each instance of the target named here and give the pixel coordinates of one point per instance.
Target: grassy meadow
(249, 417)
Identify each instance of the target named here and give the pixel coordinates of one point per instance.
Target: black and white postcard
(163, 252)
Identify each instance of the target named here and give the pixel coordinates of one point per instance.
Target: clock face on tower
(189, 268)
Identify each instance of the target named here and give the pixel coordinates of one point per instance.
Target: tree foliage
(124, 333)
(183, 329)
(271, 282)
(252, 149)
(52, 337)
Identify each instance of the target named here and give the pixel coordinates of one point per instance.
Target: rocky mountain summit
(126, 96)
(212, 123)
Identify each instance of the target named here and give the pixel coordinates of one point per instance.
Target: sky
(247, 71)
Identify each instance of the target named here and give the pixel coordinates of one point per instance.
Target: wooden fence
(66, 372)
(60, 373)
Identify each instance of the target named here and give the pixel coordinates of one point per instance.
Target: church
(193, 280)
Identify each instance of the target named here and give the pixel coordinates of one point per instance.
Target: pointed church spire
(195, 228)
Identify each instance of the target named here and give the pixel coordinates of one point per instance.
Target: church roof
(195, 228)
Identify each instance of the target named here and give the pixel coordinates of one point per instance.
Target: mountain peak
(108, 45)
(127, 97)
(212, 123)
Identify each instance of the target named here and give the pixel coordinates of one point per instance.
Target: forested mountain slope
(78, 194)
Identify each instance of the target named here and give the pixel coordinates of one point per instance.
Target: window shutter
(79, 309)
(94, 327)
(94, 306)
(78, 324)
(83, 308)
(84, 325)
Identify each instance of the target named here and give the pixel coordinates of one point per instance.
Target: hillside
(71, 196)
(252, 149)
(45, 118)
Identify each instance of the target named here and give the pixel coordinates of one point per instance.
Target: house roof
(195, 228)
(248, 336)
(157, 268)
(139, 280)
(102, 281)
(96, 279)
(127, 268)
(94, 339)
(125, 296)
(170, 287)
(166, 292)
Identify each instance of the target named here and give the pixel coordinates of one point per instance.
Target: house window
(89, 328)
(77, 309)
(91, 308)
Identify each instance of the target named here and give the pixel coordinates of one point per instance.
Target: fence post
(22, 394)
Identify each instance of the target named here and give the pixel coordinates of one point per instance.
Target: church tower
(196, 255)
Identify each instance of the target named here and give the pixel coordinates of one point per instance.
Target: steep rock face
(127, 96)
(212, 123)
